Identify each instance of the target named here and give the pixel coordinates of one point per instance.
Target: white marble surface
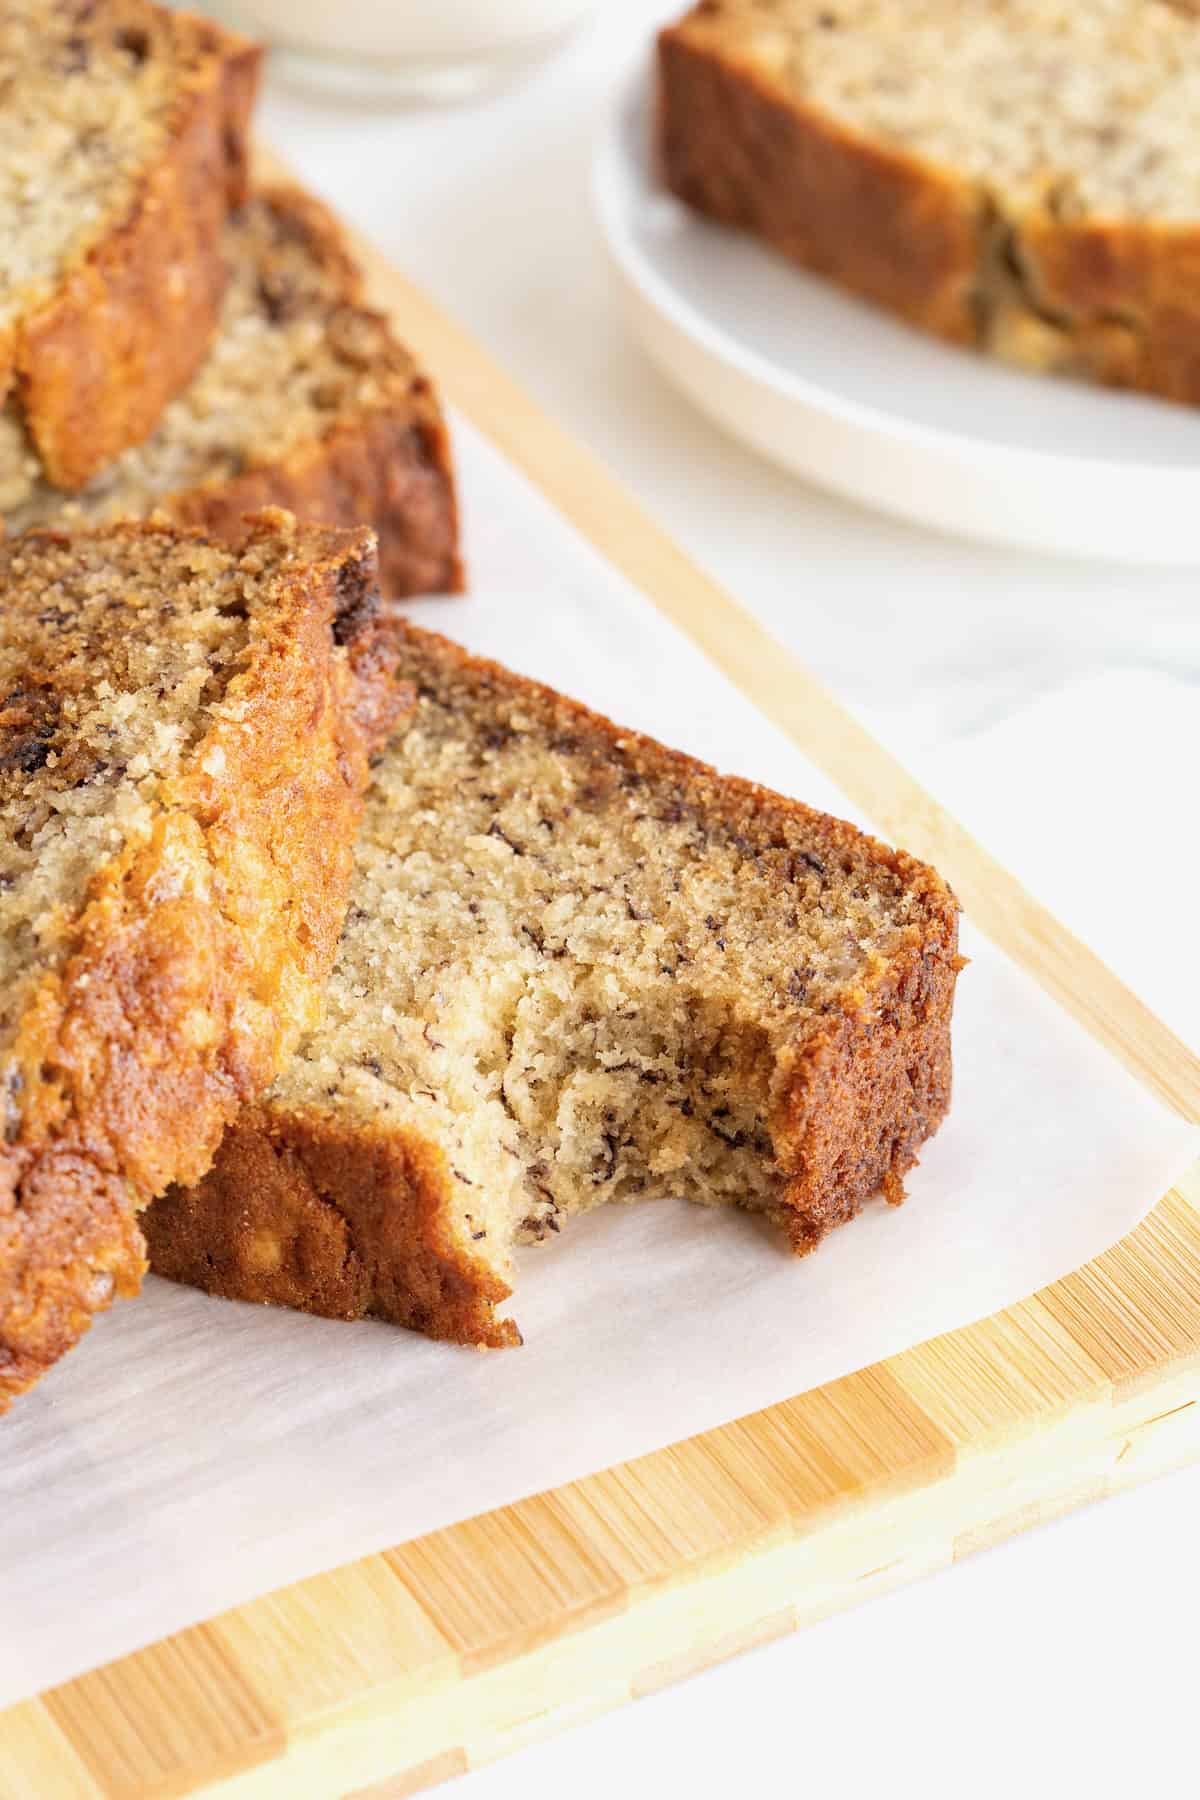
(1056, 707)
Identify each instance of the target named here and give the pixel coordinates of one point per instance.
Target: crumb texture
(89, 98)
(184, 733)
(576, 968)
(301, 376)
(110, 668)
(1080, 109)
(121, 145)
(1016, 175)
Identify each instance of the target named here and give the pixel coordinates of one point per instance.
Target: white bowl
(856, 401)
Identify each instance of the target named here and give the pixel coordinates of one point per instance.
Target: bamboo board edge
(1116, 1348)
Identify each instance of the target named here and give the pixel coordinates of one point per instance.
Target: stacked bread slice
(184, 735)
(122, 149)
(577, 967)
(573, 966)
(168, 342)
(304, 400)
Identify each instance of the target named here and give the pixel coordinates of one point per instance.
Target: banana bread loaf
(305, 400)
(576, 967)
(1018, 175)
(122, 147)
(184, 734)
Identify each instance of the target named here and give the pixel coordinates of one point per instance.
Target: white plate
(856, 401)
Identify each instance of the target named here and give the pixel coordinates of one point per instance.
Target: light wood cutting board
(388, 1675)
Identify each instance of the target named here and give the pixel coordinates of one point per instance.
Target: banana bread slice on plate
(306, 400)
(1020, 177)
(122, 148)
(576, 967)
(184, 734)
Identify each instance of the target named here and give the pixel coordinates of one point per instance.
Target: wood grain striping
(397, 1672)
(180, 1714)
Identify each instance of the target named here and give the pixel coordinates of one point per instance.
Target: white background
(1054, 706)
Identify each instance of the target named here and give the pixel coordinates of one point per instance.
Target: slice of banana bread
(122, 147)
(184, 733)
(306, 400)
(1019, 176)
(576, 967)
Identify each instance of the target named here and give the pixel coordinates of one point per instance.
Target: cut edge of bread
(383, 460)
(389, 466)
(225, 913)
(1106, 299)
(92, 367)
(308, 1209)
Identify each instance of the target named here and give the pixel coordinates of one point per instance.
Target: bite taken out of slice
(184, 740)
(576, 967)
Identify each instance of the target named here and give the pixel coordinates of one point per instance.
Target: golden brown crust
(864, 1098)
(385, 462)
(196, 958)
(390, 469)
(128, 326)
(300, 1209)
(1115, 302)
(737, 146)
(1121, 301)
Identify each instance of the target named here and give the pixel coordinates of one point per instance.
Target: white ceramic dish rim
(614, 188)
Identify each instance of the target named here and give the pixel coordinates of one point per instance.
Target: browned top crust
(381, 455)
(112, 318)
(1053, 221)
(183, 751)
(577, 967)
(306, 400)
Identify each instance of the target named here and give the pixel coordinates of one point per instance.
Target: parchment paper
(193, 1453)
